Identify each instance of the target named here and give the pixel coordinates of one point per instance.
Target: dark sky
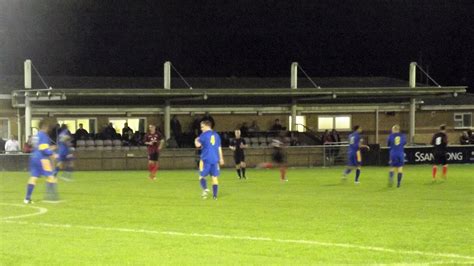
(239, 38)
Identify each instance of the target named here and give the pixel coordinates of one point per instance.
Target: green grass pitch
(124, 218)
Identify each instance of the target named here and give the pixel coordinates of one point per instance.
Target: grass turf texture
(102, 215)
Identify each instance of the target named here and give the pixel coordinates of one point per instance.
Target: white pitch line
(41, 211)
(447, 262)
(251, 238)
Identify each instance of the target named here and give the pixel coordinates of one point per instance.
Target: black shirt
(276, 127)
(439, 141)
(81, 133)
(236, 143)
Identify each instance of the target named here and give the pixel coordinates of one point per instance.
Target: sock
(155, 169)
(243, 172)
(150, 168)
(390, 176)
(357, 175)
(399, 179)
(347, 171)
(445, 170)
(282, 173)
(56, 171)
(68, 172)
(29, 191)
(214, 190)
(203, 183)
(51, 192)
(238, 173)
(435, 169)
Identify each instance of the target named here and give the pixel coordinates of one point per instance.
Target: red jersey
(156, 139)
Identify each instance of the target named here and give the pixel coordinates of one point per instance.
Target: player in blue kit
(211, 156)
(396, 143)
(354, 157)
(65, 156)
(41, 165)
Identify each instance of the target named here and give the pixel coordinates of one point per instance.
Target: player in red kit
(440, 142)
(154, 143)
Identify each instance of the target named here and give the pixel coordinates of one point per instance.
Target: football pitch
(122, 217)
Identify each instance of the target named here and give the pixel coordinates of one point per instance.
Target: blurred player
(65, 156)
(278, 158)
(396, 143)
(154, 143)
(211, 156)
(440, 142)
(238, 145)
(354, 158)
(41, 165)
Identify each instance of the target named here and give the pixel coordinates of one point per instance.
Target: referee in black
(238, 145)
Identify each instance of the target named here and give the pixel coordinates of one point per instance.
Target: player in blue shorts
(396, 143)
(211, 156)
(65, 156)
(354, 158)
(41, 165)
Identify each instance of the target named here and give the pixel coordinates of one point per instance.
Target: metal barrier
(334, 153)
(14, 162)
(298, 156)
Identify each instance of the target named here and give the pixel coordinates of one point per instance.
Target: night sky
(239, 38)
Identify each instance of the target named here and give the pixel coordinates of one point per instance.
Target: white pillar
(167, 75)
(294, 86)
(293, 115)
(412, 102)
(377, 125)
(20, 139)
(412, 119)
(167, 86)
(167, 120)
(27, 117)
(294, 75)
(412, 80)
(27, 67)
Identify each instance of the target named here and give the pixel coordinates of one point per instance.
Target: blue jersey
(64, 143)
(41, 148)
(210, 144)
(396, 143)
(354, 141)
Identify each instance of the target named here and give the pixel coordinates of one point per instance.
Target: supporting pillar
(377, 125)
(294, 75)
(294, 86)
(293, 115)
(20, 139)
(167, 120)
(412, 119)
(412, 80)
(27, 67)
(27, 117)
(167, 75)
(167, 86)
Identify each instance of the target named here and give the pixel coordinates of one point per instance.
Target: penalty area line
(253, 238)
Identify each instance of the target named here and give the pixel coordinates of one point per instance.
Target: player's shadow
(431, 183)
(335, 184)
(387, 189)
